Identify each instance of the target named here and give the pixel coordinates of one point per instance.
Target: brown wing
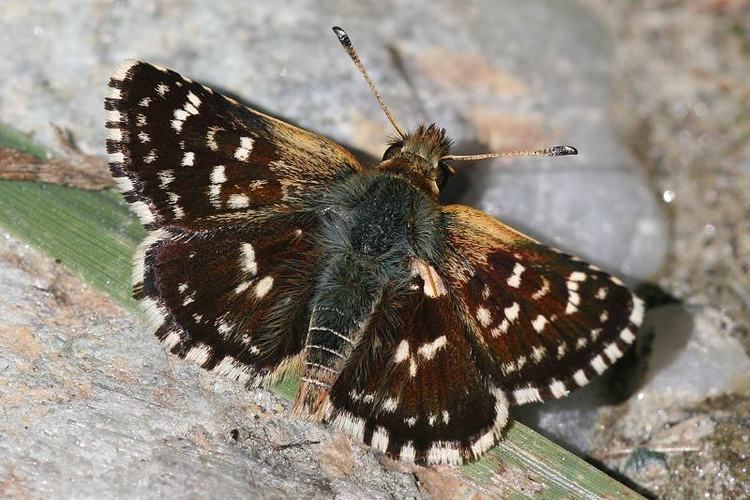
(225, 273)
(542, 322)
(412, 389)
(234, 302)
(185, 155)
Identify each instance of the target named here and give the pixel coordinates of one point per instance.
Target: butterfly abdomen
(370, 246)
(343, 298)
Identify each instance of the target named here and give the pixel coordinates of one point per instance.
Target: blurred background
(654, 94)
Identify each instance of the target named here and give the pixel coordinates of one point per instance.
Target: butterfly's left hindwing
(234, 302)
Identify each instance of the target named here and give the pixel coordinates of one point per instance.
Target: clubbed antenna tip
(347, 44)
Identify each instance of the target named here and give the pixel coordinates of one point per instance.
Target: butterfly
(272, 252)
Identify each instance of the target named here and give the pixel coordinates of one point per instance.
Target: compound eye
(392, 150)
(445, 172)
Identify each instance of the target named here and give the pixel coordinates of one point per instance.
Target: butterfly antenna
(553, 151)
(347, 44)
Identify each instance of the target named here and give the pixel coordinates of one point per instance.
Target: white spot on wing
(246, 146)
(155, 313)
(124, 184)
(407, 453)
(199, 354)
(527, 395)
(114, 116)
(515, 279)
(539, 323)
(636, 316)
(500, 329)
(238, 201)
(577, 276)
(150, 157)
(263, 287)
(218, 175)
(402, 352)
(613, 352)
(233, 369)
(389, 405)
(188, 159)
(512, 311)
(542, 291)
(354, 426)
(538, 353)
(598, 364)
(248, 259)
(429, 349)
(627, 336)
(139, 259)
(193, 99)
(143, 212)
(171, 340)
(444, 453)
(166, 177)
(122, 70)
(211, 138)
(558, 389)
(380, 439)
(484, 316)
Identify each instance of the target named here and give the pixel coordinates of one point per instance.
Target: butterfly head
(422, 155)
(419, 156)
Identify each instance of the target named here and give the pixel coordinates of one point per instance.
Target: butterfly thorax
(418, 157)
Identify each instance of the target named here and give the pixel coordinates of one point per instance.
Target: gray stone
(92, 405)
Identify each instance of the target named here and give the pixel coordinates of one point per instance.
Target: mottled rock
(92, 404)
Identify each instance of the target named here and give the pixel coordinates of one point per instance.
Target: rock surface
(92, 405)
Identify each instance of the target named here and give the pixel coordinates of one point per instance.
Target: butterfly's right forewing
(542, 322)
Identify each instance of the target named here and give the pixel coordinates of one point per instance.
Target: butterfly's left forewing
(187, 156)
